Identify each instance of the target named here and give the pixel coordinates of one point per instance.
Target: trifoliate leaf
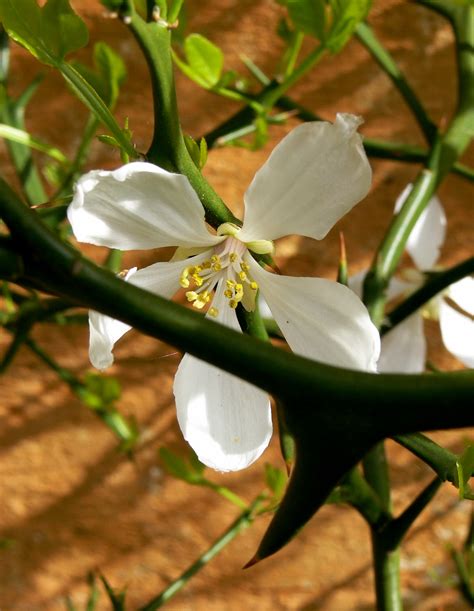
(204, 61)
(49, 32)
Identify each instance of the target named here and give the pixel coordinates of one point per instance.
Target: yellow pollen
(233, 257)
(243, 276)
(215, 259)
(254, 286)
(244, 266)
(228, 293)
(216, 267)
(213, 312)
(206, 264)
(198, 280)
(230, 284)
(191, 295)
(184, 282)
(233, 303)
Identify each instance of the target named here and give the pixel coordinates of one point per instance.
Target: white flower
(315, 175)
(404, 347)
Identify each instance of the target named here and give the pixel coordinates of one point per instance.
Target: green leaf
(177, 466)
(276, 480)
(204, 60)
(193, 149)
(346, 15)
(308, 16)
(465, 468)
(49, 33)
(332, 22)
(202, 153)
(117, 599)
(284, 31)
(174, 10)
(100, 391)
(196, 464)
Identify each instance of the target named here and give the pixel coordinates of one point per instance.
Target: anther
(191, 295)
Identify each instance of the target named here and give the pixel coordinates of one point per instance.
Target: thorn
(252, 561)
(342, 248)
(289, 465)
(342, 277)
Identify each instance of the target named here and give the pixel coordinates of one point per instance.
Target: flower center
(226, 264)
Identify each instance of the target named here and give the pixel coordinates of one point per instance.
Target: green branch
(167, 148)
(367, 37)
(436, 283)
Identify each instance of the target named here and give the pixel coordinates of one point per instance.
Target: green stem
(386, 563)
(20, 136)
(442, 461)
(241, 523)
(446, 150)
(270, 95)
(367, 37)
(363, 498)
(167, 148)
(396, 529)
(387, 575)
(94, 102)
(225, 493)
(291, 54)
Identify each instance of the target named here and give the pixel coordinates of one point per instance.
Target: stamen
(213, 312)
(242, 276)
(233, 257)
(254, 286)
(191, 295)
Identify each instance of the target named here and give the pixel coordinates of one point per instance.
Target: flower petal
(312, 178)
(320, 319)
(226, 421)
(138, 206)
(161, 279)
(457, 329)
(404, 347)
(103, 333)
(427, 236)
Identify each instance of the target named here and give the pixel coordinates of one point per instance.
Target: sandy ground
(71, 503)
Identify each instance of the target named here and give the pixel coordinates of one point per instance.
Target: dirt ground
(71, 503)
